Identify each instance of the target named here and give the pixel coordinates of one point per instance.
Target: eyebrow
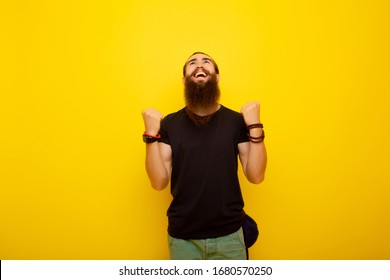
(203, 58)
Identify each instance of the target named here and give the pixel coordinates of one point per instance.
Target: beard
(201, 95)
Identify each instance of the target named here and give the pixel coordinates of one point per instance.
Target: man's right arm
(158, 155)
(158, 164)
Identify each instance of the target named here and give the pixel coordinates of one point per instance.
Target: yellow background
(76, 74)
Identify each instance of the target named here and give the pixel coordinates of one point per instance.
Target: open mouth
(200, 73)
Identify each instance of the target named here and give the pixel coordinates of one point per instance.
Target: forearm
(155, 167)
(257, 158)
(257, 162)
(253, 154)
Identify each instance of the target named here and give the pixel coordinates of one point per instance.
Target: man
(196, 149)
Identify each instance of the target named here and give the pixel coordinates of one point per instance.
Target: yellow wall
(76, 74)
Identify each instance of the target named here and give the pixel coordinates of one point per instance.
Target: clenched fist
(251, 112)
(152, 119)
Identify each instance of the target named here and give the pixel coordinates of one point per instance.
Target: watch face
(148, 139)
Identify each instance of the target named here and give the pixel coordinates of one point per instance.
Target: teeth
(200, 74)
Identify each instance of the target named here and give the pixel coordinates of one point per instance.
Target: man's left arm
(253, 155)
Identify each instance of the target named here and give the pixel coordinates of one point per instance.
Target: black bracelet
(152, 136)
(255, 125)
(256, 139)
(148, 139)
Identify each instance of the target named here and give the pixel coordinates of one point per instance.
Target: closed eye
(191, 62)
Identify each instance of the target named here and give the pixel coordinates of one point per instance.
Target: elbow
(257, 179)
(159, 186)
(157, 180)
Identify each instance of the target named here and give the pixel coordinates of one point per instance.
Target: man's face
(199, 68)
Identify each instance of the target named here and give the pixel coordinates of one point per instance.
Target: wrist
(256, 132)
(253, 125)
(152, 134)
(150, 138)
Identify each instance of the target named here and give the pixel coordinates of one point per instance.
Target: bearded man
(196, 149)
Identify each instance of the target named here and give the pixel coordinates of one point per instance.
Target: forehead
(198, 56)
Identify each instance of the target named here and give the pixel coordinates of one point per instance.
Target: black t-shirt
(207, 200)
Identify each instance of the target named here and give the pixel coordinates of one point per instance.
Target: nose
(198, 64)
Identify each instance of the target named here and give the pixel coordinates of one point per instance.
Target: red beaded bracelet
(151, 136)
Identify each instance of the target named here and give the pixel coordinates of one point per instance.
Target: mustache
(193, 73)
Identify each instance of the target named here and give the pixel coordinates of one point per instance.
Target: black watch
(150, 139)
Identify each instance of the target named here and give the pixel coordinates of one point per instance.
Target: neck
(204, 111)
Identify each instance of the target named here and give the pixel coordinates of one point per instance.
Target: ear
(218, 77)
(183, 80)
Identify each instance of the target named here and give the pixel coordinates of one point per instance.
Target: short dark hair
(215, 64)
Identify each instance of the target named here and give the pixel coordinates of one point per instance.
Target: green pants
(228, 247)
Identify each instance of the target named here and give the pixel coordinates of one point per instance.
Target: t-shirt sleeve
(242, 132)
(163, 132)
